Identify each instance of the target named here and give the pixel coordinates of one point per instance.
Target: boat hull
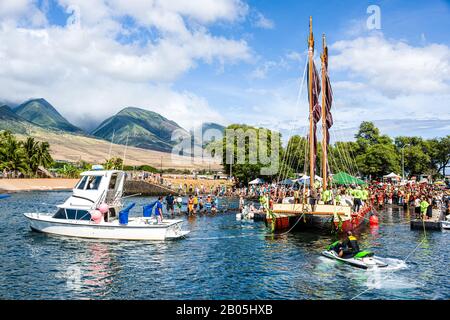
(135, 230)
(342, 221)
(356, 220)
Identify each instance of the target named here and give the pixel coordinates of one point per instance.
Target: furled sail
(317, 109)
(328, 95)
(327, 118)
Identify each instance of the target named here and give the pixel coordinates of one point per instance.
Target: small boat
(363, 259)
(245, 214)
(96, 189)
(445, 224)
(4, 196)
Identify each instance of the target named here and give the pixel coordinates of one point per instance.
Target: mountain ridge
(39, 111)
(131, 126)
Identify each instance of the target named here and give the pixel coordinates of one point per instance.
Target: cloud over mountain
(107, 51)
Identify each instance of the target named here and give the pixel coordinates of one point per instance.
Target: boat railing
(100, 200)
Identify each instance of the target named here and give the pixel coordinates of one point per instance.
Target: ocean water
(220, 259)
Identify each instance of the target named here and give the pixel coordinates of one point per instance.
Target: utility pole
(231, 168)
(403, 161)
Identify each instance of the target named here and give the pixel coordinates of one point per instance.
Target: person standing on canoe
(357, 194)
(327, 196)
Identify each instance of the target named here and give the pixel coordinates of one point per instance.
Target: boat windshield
(75, 214)
(82, 183)
(94, 182)
(89, 183)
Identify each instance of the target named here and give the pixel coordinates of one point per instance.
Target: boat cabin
(95, 187)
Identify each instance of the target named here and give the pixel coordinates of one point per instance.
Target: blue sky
(230, 61)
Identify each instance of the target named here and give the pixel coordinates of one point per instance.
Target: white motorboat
(96, 188)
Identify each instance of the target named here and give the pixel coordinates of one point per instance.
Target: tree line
(371, 155)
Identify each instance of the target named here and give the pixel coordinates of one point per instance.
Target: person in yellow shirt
(357, 195)
(327, 196)
(195, 200)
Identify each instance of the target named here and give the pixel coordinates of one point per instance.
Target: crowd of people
(423, 197)
(420, 197)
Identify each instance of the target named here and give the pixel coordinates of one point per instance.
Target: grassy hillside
(42, 113)
(141, 128)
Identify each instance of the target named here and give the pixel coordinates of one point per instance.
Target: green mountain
(12, 122)
(42, 113)
(211, 125)
(209, 132)
(139, 128)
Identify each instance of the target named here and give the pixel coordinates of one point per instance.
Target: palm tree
(30, 147)
(37, 154)
(12, 154)
(42, 156)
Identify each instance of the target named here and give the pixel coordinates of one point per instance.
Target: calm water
(221, 259)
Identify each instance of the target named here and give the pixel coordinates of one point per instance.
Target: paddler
(327, 196)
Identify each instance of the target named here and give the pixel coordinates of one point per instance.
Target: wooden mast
(311, 106)
(324, 58)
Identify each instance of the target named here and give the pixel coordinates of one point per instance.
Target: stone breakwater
(145, 188)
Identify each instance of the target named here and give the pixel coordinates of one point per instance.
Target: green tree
(70, 171)
(37, 154)
(114, 163)
(294, 155)
(12, 154)
(378, 160)
(439, 151)
(249, 169)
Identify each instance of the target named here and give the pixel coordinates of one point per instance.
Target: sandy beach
(17, 185)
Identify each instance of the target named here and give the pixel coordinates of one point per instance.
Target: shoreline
(38, 184)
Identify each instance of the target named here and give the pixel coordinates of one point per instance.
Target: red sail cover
(328, 92)
(317, 110)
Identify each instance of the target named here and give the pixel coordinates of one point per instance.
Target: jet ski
(363, 259)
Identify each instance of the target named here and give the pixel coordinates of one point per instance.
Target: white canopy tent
(392, 176)
(305, 177)
(257, 181)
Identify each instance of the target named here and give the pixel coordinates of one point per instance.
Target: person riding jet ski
(349, 247)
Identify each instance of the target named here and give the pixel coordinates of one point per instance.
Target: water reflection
(221, 259)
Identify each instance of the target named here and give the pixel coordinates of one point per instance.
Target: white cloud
(394, 67)
(373, 79)
(20, 10)
(84, 70)
(262, 22)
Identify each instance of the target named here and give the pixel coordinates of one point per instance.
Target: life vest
(353, 243)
